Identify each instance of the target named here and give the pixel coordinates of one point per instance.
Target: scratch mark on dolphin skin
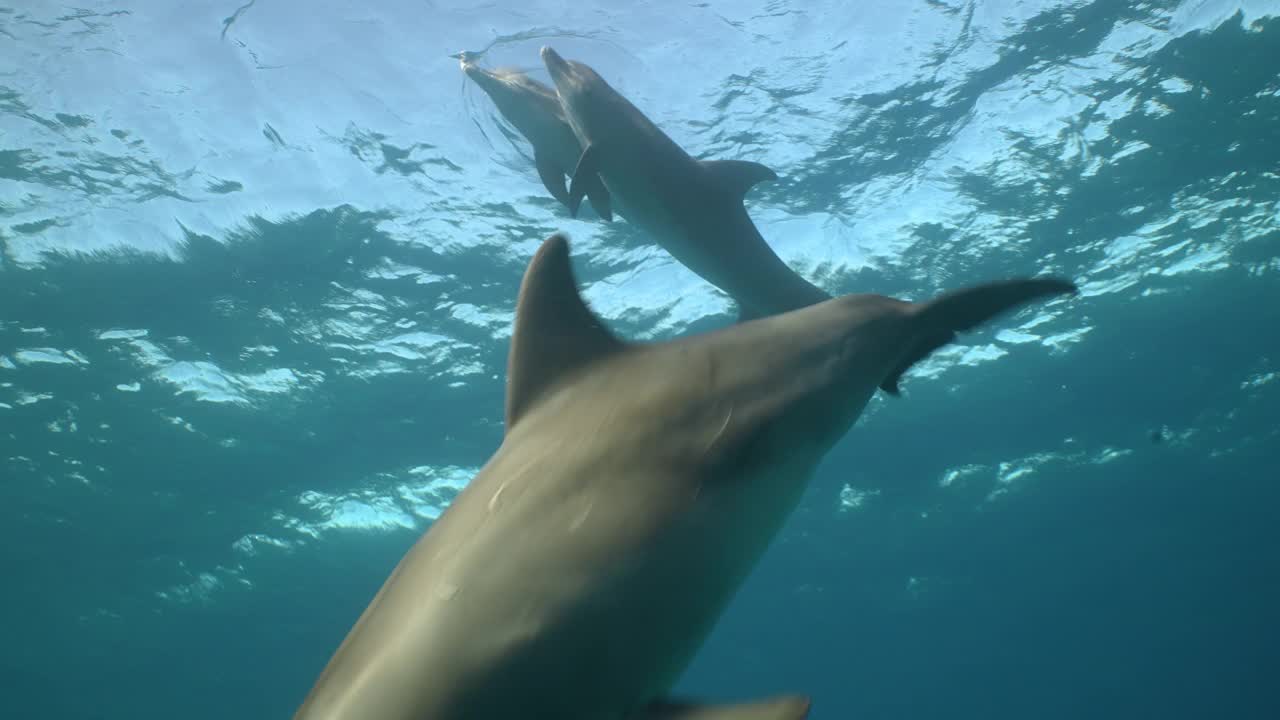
(493, 501)
(728, 418)
(582, 516)
(446, 590)
(227, 22)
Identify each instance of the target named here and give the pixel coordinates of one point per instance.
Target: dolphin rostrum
(635, 488)
(534, 110)
(692, 208)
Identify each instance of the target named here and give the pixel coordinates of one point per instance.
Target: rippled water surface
(257, 270)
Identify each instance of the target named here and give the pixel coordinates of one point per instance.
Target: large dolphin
(692, 208)
(534, 110)
(636, 486)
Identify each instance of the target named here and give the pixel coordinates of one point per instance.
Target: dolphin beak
(482, 77)
(555, 64)
(466, 60)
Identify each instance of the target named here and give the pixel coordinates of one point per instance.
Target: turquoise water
(259, 262)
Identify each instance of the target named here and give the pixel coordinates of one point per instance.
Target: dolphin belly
(579, 606)
(648, 205)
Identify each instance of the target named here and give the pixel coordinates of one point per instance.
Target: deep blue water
(258, 263)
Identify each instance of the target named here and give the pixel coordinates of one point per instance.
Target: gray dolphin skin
(534, 110)
(692, 208)
(635, 488)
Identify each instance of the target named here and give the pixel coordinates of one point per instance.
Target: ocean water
(258, 262)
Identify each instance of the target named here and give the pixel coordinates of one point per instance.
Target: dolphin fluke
(940, 319)
(791, 707)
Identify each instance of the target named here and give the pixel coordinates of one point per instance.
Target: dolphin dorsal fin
(555, 332)
(738, 176)
(787, 707)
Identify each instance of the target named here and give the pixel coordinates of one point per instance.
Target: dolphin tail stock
(939, 320)
(787, 707)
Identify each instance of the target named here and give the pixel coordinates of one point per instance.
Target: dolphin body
(635, 487)
(534, 110)
(692, 208)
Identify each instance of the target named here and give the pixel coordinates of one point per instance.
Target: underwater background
(258, 262)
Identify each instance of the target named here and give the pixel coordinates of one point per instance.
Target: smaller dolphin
(692, 208)
(535, 111)
(581, 569)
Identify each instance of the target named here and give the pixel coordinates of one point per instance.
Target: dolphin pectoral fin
(591, 186)
(555, 332)
(940, 319)
(552, 176)
(789, 707)
(598, 196)
(738, 176)
(587, 171)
